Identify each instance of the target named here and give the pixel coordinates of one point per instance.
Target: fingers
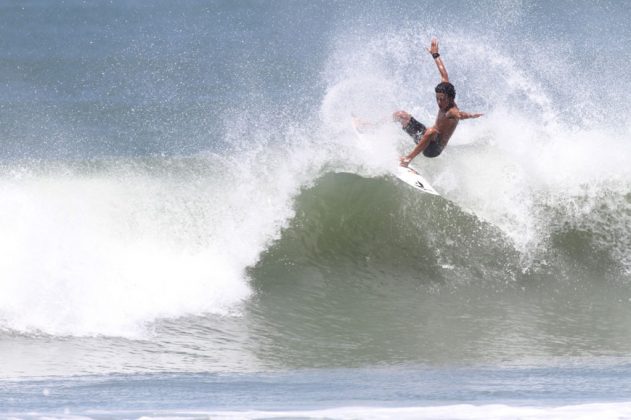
(434, 46)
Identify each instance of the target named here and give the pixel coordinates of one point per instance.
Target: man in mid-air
(431, 141)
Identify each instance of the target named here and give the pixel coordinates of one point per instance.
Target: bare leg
(402, 117)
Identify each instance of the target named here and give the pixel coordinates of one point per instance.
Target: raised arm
(433, 50)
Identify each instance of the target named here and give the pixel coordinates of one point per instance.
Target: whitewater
(191, 228)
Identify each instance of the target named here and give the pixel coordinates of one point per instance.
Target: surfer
(431, 141)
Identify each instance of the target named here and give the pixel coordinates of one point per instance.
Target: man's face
(443, 101)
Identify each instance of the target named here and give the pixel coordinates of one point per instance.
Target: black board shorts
(416, 130)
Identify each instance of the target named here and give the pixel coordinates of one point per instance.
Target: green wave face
(370, 271)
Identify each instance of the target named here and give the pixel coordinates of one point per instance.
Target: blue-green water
(347, 393)
(189, 226)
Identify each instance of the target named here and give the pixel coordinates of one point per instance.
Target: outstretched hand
(404, 161)
(433, 48)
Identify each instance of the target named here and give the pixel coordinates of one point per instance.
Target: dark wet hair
(446, 88)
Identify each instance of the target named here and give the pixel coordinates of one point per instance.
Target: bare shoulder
(453, 112)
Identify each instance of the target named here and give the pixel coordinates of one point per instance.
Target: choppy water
(184, 204)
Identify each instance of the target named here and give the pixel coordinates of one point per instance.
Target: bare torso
(446, 123)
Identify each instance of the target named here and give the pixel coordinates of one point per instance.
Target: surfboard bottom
(411, 177)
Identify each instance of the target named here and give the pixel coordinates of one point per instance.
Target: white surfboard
(411, 177)
(408, 174)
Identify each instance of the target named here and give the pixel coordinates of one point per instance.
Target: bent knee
(402, 117)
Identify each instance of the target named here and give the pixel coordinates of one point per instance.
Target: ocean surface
(189, 227)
